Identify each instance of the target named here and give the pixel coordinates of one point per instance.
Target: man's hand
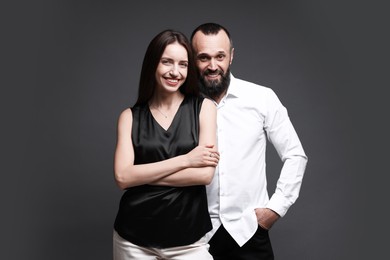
(266, 217)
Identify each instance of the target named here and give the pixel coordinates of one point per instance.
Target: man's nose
(212, 65)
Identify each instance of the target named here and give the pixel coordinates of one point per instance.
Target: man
(248, 116)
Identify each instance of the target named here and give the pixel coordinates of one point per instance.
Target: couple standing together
(190, 156)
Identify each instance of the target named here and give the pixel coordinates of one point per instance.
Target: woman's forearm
(188, 177)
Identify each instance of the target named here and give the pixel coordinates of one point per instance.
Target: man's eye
(220, 57)
(203, 58)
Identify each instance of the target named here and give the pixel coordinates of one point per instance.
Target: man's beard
(214, 88)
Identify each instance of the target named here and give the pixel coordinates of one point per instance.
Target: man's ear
(231, 56)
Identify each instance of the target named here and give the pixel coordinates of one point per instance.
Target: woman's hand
(202, 156)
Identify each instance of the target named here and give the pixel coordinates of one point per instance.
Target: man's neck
(220, 97)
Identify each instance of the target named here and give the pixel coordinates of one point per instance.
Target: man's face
(213, 58)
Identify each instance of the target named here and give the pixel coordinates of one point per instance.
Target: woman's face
(172, 69)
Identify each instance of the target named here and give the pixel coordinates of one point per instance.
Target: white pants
(124, 250)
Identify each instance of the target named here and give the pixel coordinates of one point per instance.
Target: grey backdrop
(70, 67)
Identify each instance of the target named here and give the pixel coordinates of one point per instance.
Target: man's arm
(284, 138)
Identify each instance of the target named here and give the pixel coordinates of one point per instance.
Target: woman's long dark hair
(147, 83)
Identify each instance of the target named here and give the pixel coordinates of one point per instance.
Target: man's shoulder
(246, 87)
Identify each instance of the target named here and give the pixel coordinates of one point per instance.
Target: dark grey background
(70, 67)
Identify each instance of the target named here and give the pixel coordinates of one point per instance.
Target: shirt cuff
(278, 204)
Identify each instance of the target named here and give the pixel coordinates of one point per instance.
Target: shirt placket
(222, 166)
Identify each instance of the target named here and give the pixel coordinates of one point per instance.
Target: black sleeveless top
(161, 216)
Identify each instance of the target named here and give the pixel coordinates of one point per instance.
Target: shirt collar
(233, 90)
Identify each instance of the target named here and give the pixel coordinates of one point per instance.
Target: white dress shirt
(248, 116)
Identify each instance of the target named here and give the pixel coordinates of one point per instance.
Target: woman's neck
(166, 102)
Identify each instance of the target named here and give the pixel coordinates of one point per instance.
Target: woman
(165, 155)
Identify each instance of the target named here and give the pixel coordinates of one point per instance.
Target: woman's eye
(166, 61)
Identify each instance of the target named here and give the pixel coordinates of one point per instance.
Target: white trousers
(124, 250)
